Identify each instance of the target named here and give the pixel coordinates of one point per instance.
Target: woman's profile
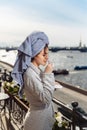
(38, 85)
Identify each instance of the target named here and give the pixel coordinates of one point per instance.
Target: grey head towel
(32, 45)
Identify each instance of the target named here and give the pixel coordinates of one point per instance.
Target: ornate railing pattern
(17, 110)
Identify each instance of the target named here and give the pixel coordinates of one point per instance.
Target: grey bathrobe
(39, 89)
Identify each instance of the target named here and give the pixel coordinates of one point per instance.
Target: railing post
(4, 75)
(0, 84)
(74, 105)
(9, 78)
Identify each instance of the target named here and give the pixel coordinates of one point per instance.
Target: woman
(38, 85)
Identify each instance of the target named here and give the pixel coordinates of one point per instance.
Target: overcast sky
(64, 21)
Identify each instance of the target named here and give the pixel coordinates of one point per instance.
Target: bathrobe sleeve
(41, 90)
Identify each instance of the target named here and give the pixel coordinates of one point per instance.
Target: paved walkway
(67, 96)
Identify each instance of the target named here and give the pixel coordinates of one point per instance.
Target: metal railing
(17, 109)
(75, 114)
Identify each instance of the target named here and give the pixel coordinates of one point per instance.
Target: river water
(68, 60)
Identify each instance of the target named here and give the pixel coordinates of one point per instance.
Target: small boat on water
(83, 49)
(80, 68)
(69, 56)
(59, 71)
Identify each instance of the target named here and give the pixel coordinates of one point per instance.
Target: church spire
(80, 44)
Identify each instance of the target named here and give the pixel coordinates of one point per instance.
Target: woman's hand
(49, 68)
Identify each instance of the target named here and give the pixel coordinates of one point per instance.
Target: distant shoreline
(53, 49)
(56, 49)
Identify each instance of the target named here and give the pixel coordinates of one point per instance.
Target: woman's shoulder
(32, 72)
(29, 71)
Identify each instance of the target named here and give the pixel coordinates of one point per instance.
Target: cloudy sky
(64, 21)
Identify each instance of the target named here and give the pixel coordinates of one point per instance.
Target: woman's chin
(44, 64)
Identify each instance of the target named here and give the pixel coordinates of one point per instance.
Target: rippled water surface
(68, 60)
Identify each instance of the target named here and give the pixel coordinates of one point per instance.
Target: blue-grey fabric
(32, 45)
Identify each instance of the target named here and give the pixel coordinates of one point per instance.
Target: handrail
(59, 103)
(18, 101)
(6, 63)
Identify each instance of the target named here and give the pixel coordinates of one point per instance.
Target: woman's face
(42, 57)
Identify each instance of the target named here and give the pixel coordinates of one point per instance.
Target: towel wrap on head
(32, 45)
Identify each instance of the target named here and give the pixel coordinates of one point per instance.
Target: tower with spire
(80, 44)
